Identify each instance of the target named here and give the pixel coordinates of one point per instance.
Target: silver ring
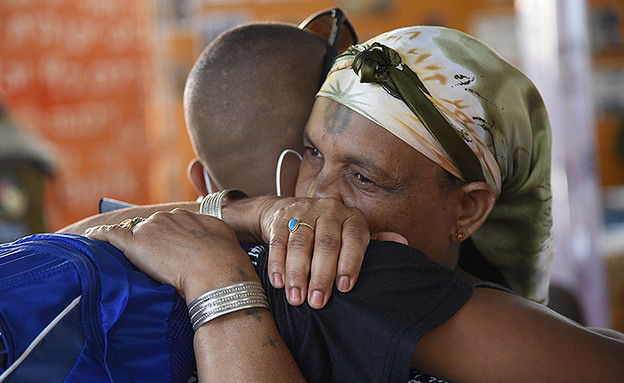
(294, 224)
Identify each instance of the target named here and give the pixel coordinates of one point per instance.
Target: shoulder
(400, 295)
(395, 264)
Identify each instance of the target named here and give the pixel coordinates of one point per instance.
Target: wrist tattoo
(271, 342)
(256, 313)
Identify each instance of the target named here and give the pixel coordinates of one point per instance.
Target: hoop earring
(207, 182)
(278, 170)
(460, 236)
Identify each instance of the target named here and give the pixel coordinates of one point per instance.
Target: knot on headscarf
(381, 64)
(372, 64)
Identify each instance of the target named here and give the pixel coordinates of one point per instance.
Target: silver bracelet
(225, 300)
(212, 203)
(240, 289)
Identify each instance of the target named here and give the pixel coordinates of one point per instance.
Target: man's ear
(195, 172)
(477, 201)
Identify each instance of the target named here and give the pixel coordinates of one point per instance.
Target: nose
(325, 186)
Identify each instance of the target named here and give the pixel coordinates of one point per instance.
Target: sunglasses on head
(334, 26)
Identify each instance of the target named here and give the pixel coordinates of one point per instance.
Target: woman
(480, 166)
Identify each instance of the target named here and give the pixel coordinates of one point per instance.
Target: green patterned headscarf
(460, 104)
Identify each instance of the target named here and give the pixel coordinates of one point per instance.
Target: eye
(363, 180)
(314, 152)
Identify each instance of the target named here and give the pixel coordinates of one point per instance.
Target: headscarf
(460, 104)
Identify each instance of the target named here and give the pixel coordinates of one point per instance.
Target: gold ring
(294, 224)
(131, 222)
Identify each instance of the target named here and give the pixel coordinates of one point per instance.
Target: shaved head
(247, 98)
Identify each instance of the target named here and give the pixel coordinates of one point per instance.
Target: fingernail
(294, 295)
(316, 299)
(278, 283)
(344, 283)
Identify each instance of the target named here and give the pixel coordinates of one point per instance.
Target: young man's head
(247, 99)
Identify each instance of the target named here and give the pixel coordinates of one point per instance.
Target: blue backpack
(74, 309)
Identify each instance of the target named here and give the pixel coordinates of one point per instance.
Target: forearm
(244, 216)
(501, 337)
(244, 346)
(116, 216)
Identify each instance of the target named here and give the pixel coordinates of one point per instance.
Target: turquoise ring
(294, 224)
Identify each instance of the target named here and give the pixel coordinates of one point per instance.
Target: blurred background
(91, 107)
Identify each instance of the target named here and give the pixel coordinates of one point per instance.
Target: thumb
(389, 236)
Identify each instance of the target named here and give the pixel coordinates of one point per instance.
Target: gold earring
(460, 236)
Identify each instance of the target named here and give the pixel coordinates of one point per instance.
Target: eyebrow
(306, 138)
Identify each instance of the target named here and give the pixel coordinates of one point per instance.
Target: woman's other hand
(191, 252)
(330, 249)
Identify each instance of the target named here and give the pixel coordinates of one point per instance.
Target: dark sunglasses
(334, 26)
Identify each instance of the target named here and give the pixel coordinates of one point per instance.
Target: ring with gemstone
(131, 222)
(294, 224)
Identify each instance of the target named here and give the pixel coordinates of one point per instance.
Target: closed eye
(363, 179)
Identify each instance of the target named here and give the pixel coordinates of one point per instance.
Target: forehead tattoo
(336, 118)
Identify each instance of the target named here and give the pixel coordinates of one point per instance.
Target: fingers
(278, 246)
(114, 234)
(290, 259)
(338, 235)
(338, 254)
(355, 240)
(390, 237)
(327, 245)
(120, 237)
(297, 267)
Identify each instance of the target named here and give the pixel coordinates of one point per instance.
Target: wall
(76, 72)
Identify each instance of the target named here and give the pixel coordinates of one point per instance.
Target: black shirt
(368, 334)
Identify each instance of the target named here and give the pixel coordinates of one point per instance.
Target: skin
(538, 344)
(343, 161)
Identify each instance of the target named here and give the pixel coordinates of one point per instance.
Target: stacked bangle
(212, 203)
(225, 300)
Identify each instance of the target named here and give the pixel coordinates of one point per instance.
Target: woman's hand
(195, 254)
(191, 252)
(332, 249)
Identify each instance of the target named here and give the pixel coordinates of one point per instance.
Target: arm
(497, 336)
(609, 333)
(116, 216)
(339, 239)
(196, 254)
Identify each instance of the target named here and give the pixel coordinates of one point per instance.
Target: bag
(73, 309)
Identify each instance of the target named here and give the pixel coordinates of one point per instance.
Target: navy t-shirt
(368, 334)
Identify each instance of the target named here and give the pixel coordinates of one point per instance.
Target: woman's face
(354, 160)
